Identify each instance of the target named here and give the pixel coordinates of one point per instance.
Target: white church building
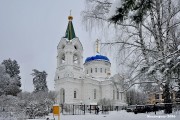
(79, 82)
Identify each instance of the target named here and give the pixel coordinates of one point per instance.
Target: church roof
(97, 57)
(70, 33)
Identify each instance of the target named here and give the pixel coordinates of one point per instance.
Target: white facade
(78, 83)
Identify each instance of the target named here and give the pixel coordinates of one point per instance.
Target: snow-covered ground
(121, 115)
(114, 115)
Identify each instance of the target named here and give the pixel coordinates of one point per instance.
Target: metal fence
(71, 109)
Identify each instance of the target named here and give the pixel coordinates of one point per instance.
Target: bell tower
(69, 55)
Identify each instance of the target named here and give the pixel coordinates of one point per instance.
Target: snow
(168, 60)
(178, 58)
(151, 69)
(119, 115)
(178, 47)
(166, 70)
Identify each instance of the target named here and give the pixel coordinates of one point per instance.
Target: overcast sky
(30, 31)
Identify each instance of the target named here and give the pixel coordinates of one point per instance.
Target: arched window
(94, 93)
(117, 94)
(96, 70)
(75, 47)
(101, 70)
(91, 70)
(121, 96)
(62, 94)
(75, 94)
(113, 94)
(63, 46)
(75, 59)
(63, 58)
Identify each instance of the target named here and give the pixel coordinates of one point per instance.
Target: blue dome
(97, 57)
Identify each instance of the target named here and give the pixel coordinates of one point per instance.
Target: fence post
(90, 108)
(84, 109)
(102, 108)
(62, 108)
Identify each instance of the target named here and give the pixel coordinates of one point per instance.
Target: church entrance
(62, 96)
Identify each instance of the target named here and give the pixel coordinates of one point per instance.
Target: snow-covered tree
(14, 83)
(37, 104)
(4, 80)
(8, 85)
(39, 81)
(134, 97)
(12, 68)
(40, 103)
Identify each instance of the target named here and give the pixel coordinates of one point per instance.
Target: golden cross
(97, 46)
(70, 12)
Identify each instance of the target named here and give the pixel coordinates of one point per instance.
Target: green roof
(70, 34)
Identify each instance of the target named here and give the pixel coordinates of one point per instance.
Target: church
(79, 82)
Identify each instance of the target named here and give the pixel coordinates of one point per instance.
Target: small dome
(97, 57)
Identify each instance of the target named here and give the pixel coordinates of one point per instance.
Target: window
(162, 96)
(105, 70)
(117, 94)
(101, 70)
(121, 96)
(96, 70)
(75, 59)
(94, 93)
(63, 58)
(113, 94)
(63, 46)
(87, 71)
(58, 77)
(74, 94)
(91, 70)
(75, 47)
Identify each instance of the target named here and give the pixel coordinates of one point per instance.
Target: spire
(70, 33)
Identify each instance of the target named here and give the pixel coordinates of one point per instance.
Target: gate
(69, 109)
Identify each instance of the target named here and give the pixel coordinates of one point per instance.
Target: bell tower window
(75, 47)
(63, 58)
(75, 59)
(63, 46)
